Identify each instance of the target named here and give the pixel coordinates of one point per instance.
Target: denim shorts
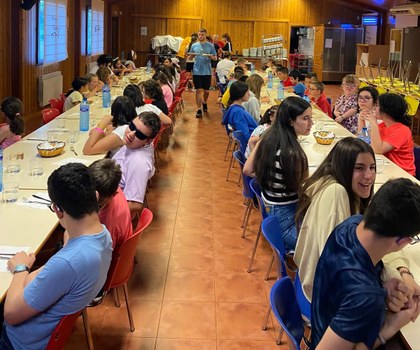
(286, 216)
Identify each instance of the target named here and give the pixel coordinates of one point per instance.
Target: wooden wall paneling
(318, 51)
(241, 33)
(264, 28)
(5, 48)
(182, 27)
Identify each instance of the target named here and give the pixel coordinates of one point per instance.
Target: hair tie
(17, 114)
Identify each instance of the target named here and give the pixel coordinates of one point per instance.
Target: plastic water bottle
(280, 91)
(1, 169)
(84, 115)
(252, 68)
(270, 80)
(149, 67)
(106, 96)
(364, 135)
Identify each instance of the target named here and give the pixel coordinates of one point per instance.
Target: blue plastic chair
(304, 304)
(286, 309)
(417, 161)
(246, 190)
(239, 140)
(257, 191)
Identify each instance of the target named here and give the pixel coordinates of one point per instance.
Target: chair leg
(116, 297)
(278, 340)
(246, 202)
(88, 333)
(249, 208)
(267, 275)
(130, 316)
(230, 167)
(254, 250)
(267, 316)
(228, 147)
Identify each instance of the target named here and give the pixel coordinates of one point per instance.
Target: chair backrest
(157, 137)
(184, 76)
(62, 331)
(286, 309)
(222, 87)
(253, 184)
(173, 106)
(270, 227)
(240, 158)
(417, 161)
(179, 91)
(241, 139)
(304, 304)
(329, 99)
(122, 263)
(49, 114)
(57, 103)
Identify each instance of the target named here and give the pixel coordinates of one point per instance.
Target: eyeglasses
(138, 133)
(364, 98)
(313, 89)
(415, 239)
(350, 86)
(54, 207)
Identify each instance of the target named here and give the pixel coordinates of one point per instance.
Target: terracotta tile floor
(190, 288)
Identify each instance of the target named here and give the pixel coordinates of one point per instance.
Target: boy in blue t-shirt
(298, 88)
(37, 301)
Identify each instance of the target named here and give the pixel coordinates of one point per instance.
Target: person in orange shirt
(318, 97)
(283, 74)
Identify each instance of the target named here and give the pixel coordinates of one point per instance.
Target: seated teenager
(75, 96)
(253, 105)
(393, 137)
(37, 301)
(318, 97)
(349, 309)
(119, 69)
(153, 94)
(283, 75)
(238, 74)
(168, 93)
(297, 87)
(12, 130)
(236, 116)
(94, 85)
(114, 212)
(310, 78)
(136, 159)
(108, 135)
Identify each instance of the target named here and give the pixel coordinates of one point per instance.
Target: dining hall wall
(19, 70)
(246, 21)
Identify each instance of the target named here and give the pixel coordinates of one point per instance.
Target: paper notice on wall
(328, 43)
(392, 46)
(364, 59)
(143, 31)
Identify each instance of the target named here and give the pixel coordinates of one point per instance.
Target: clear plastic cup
(10, 192)
(36, 167)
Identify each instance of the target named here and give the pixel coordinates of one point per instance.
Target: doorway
(115, 36)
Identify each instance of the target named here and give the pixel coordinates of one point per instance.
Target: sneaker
(199, 114)
(205, 107)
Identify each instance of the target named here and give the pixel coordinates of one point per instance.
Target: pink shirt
(8, 141)
(168, 95)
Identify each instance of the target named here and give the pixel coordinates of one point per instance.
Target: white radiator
(49, 86)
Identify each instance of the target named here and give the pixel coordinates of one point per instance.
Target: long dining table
(386, 170)
(29, 225)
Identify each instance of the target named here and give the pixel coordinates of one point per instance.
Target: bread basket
(324, 137)
(48, 150)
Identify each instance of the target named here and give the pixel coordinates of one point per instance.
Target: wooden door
(318, 51)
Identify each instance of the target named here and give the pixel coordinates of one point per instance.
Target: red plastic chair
(62, 331)
(57, 103)
(122, 265)
(49, 114)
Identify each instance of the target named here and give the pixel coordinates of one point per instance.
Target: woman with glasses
(280, 165)
(345, 108)
(392, 137)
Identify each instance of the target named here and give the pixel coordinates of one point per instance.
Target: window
(52, 31)
(95, 28)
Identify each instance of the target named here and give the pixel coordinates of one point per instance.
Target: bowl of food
(134, 79)
(50, 149)
(324, 137)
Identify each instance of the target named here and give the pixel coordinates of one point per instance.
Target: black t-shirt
(161, 104)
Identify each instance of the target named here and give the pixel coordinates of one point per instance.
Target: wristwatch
(20, 268)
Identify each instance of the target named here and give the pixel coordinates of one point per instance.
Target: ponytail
(12, 108)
